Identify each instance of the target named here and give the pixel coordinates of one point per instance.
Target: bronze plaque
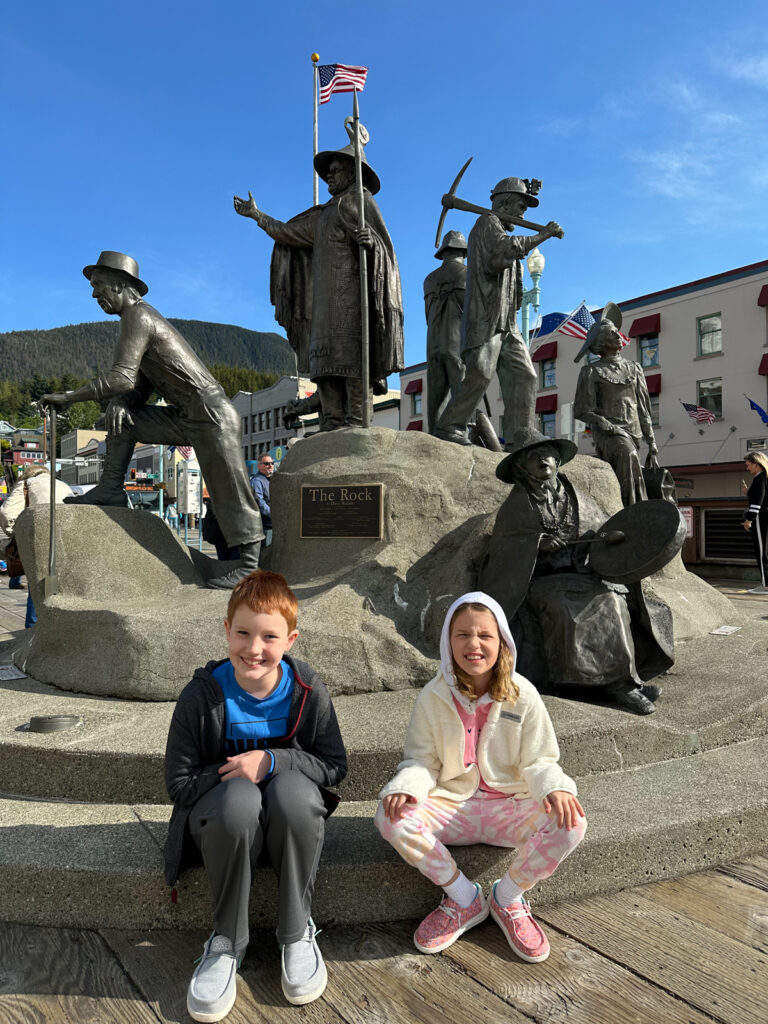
(344, 511)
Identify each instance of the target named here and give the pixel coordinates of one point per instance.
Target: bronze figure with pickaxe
(490, 339)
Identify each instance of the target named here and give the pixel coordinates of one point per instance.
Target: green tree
(240, 378)
(82, 415)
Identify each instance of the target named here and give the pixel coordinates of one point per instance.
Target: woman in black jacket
(755, 518)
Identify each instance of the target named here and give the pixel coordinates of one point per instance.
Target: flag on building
(184, 450)
(760, 412)
(698, 413)
(548, 324)
(578, 323)
(340, 78)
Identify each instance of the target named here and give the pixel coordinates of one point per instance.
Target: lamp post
(531, 296)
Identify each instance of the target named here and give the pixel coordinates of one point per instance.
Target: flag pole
(315, 187)
(733, 428)
(364, 320)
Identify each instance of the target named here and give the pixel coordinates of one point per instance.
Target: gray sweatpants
(231, 824)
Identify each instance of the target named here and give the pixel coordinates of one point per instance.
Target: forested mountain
(80, 349)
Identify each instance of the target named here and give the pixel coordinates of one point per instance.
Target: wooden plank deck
(686, 951)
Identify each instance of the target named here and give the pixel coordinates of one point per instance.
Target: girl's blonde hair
(502, 686)
(758, 459)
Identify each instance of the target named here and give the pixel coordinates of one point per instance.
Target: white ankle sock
(508, 891)
(462, 891)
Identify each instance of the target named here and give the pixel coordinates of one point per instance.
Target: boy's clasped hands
(253, 765)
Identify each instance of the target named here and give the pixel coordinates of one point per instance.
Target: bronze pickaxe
(450, 202)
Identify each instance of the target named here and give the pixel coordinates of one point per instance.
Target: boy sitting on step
(252, 747)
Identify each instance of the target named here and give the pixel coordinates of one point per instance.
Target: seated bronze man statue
(576, 633)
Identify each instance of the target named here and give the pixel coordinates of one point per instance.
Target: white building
(262, 414)
(80, 459)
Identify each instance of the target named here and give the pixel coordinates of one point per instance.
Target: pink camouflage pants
(422, 831)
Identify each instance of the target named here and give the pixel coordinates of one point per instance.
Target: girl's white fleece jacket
(517, 752)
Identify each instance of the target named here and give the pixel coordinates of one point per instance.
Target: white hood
(475, 597)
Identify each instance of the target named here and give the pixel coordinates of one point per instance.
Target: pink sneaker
(443, 926)
(523, 933)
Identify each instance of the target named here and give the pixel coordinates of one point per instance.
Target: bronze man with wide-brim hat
(526, 439)
(576, 634)
(325, 157)
(315, 286)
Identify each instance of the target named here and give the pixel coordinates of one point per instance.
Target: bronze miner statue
(152, 356)
(444, 305)
(612, 398)
(490, 339)
(315, 287)
(578, 633)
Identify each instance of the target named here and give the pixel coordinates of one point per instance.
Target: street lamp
(531, 296)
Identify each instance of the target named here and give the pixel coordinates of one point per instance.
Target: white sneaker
(303, 977)
(213, 988)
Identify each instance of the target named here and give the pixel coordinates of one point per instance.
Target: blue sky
(131, 126)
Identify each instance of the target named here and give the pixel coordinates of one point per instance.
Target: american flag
(340, 78)
(578, 323)
(699, 413)
(184, 450)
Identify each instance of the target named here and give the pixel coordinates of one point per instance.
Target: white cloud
(746, 69)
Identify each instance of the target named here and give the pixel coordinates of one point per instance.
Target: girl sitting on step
(481, 766)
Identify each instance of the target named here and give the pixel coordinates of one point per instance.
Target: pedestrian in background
(755, 518)
(260, 485)
(33, 488)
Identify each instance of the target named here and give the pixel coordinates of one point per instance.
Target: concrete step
(714, 696)
(100, 865)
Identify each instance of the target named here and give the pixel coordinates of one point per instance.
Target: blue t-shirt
(249, 722)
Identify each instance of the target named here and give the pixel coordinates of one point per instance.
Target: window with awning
(415, 425)
(548, 351)
(653, 380)
(650, 324)
(762, 299)
(546, 403)
(414, 387)
(763, 367)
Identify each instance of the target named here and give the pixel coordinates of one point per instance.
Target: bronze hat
(516, 185)
(527, 438)
(324, 159)
(612, 313)
(452, 240)
(125, 265)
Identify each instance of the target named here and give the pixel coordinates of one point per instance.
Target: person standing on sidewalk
(755, 518)
(260, 485)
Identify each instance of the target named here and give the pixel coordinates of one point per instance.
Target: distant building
(80, 461)
(27, 447)
(262, 414)
(7, 430)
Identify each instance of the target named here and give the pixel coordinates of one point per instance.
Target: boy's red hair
(265, 592)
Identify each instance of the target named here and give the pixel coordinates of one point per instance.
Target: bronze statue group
(254, 750)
